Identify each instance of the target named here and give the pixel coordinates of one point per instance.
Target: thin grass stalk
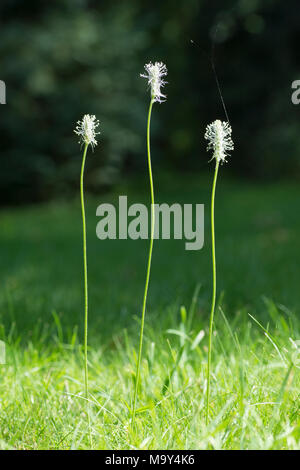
(214, 291)
(84, 274)
(137, 379)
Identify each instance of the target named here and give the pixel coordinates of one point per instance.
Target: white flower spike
(86, 129)
(154, 74)
(218, 134)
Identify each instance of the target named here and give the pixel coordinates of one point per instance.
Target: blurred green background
(258, 258)
(64, 58)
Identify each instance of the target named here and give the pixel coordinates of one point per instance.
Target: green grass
(255, 378)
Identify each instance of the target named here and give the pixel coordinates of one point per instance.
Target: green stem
(86, 384)
(213, 303)
(85, 275)
(148, 265)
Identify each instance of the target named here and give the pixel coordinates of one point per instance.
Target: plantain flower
(154, 73)
(86, 129)
(218, 134)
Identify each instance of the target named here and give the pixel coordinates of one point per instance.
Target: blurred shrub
(60, 61)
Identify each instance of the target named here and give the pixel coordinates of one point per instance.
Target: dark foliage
(62, 59)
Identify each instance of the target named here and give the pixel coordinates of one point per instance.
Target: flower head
(154, 74)
(218, 134)
(86, 129)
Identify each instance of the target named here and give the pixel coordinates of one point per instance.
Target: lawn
(255, 379)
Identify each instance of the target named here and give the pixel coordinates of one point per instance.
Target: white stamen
(154, 74)
(86, 129)
(218, 134)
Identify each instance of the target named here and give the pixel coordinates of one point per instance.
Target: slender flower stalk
(86, 130)
(84, 273)
(219, 139)
(154, 74)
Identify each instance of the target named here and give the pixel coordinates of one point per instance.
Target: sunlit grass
(254, 389)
